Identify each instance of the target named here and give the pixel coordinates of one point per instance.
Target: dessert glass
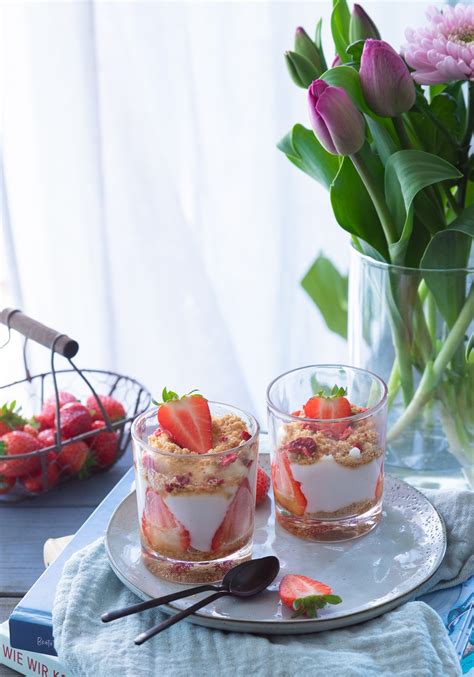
(327, 474)
(196, 511)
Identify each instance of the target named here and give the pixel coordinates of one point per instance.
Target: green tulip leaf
(449, 250)
(347, 78)
(340, 20)
(382, 140)
(407, 172)
(355, 50)
(304, 150)
(328, 289)
(358, 216)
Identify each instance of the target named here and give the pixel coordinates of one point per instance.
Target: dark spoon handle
(144, 636)
(151, 603)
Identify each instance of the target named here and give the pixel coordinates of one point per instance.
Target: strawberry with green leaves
(187, 419)
(328, 405)
(17, 443)
(10, 418)
(305, 596)
(113, 408)
(103, 445)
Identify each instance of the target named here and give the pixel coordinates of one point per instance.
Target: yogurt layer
(329, 486)
(201, 515)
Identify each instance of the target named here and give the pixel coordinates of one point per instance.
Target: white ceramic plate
(372, 574)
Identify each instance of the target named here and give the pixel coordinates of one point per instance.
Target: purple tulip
(386, 81)
(336, 122)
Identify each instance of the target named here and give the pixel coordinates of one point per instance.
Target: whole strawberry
(47, 438)
(75, 419)
(103, 445)
(73, 457)
(263, 484)
(113, 408)
(48, 413)
(10, 418)
(16, 443)
(38, 482)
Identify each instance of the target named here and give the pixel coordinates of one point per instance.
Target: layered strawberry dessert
(328, 463)
(196, 474)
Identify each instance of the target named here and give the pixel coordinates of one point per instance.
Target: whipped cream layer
(329, 486)
(201, 514)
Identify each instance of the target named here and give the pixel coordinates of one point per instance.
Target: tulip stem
(401, 132)
(377, 198)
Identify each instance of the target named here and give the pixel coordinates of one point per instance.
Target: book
(29, 663)
(30, 622)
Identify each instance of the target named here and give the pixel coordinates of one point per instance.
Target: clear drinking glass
(327, 473)
(196, 511)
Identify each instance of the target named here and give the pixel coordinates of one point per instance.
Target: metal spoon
(245, 580)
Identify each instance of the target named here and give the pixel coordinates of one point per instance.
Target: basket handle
(60, 343)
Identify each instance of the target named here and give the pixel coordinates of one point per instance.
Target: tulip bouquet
(390, 140)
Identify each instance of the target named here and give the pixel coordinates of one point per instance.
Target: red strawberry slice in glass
(286, 489)
(188, 420)
(238, 520)
(160, 527)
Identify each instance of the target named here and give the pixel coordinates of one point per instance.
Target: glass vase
(414, 328)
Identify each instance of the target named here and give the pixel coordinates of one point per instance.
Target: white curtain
(146, 210)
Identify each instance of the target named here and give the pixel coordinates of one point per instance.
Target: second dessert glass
(327, 473)
(196, 511)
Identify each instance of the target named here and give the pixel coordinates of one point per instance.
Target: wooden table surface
(26, 525)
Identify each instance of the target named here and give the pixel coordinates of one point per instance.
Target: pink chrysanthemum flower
(443, 51)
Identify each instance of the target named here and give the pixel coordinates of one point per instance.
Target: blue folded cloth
(409, 641)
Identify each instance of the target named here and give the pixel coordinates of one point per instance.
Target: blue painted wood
(26, 525)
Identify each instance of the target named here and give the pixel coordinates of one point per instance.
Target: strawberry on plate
(113, 408)
(263, 484)
(15, 443)
(187, 419)
(75, 419)
(37, 482)
(48, 412)
(238, 520)
(328, 405)
(10, 418)
(103, 445)
(72, 457)
(160, 528)
(286, 489)
(304, 595)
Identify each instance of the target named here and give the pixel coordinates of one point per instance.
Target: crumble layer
(352, 444)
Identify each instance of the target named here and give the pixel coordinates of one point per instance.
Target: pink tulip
(386, 82)
(336, 122)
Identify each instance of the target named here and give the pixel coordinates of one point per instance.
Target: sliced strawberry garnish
(238, 520)
(286, 489)
(332, 405)
(160, 527)
(304, 595)
(188, 420)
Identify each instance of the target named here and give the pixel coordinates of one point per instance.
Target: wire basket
(60, 457)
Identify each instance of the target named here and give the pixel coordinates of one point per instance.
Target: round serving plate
(372, 574)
